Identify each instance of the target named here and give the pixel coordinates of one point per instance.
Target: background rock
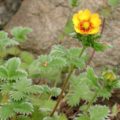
(7, 9)
(47, 18)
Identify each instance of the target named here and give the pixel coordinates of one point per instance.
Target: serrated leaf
(99, 46)
(46, 89)
(3, 73)
(79, 89)
(5, 88)
(5, 41)
(58, 51)
(20, 33)
(83, 117)
(19, 74)
(21, 85)
(74, 59)
(34, 89)
(6, 112)
(17, 95)
(13, 64)
(115, 110)
(47, 106)
(56, 117)
(57, 62)
(23, 108)
(92, 76)
(98, 112)
(11, 70)
(55, 91)
(14, 51)
(27, 57)
(69, 27)
(105, 93)
(74, 52)
(23, 88)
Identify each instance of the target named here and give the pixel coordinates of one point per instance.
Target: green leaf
(56, 117)
(27, 57)
(105, 93)
(47, 106)
(21, 85)
(57, 62)
(34, 89)
(23, 88)
(117, 84)
(3, 73)
(14, 51)
(46, 89)
(5, 88)
(20, 33)
(69, 27)
(19, 74)
(83, 117)
(99, 46)
(11, 70)
(115, 110)
(48, 66)
(74, 52)
(92, 76)
(23, 108)
(79, 89)
(98, 112)
(17, 95)
(5, 41)
(6, 112)
(13, 64)
(58, 51)
(74, 59)
(55, 91)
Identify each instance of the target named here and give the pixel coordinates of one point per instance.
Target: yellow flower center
(86, 25)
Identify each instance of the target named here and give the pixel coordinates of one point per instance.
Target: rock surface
(47, 19)
(7, 9)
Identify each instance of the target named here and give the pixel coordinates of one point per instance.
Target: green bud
(109, 75)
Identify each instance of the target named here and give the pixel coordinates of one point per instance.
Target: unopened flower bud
(109, 75)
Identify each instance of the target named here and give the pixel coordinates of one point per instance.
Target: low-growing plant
(20, 99)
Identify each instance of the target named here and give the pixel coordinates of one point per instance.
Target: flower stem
(65, 85)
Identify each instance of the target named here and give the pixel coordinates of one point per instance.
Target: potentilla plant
(87, 85)
(20, 99)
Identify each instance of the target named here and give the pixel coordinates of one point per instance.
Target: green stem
(64, 85)
(91, 102)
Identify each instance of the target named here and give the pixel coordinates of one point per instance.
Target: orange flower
(86, 23)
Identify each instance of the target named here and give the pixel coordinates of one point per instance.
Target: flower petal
(95, 20)
(77, 29)
(94, 30)
(84, 15)
(75, 19)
